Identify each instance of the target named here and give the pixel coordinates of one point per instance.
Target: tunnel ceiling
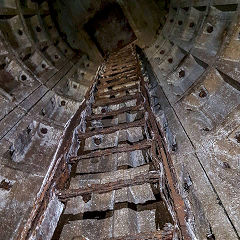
(88, 25)
(109, 29)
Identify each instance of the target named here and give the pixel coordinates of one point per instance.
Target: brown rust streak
(120, 66)
(133, 109)
(114, 65)
(118, 76)
(119, 58)
(177, 199)
(120, 69)
(118, 83)
(149, 177)
(103, 152)
(113, 92)
(106, 102)
(112, 129)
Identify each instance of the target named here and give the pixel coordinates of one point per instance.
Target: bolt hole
(170, 60)
(237, 137)
(112, 96)
(23, 77)
(65, 50)
(181, 74)
(209, 29)
(74, 86)
(162, 52)
(226, 165)
(2, 66)
(206, 129)
(171, 20)
(63, 103)
(157, 46)
(44, 130)
(43, 65)
(44, 48)
(180, 22)
(103, 110)
(38, 29)
(50, 27)
(97, 141)
(20, 32)
(56, 56)
(86, 197)
(192, 24)
(6, 185)
(202, 94)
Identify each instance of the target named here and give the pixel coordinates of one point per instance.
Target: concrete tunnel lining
(189, 54)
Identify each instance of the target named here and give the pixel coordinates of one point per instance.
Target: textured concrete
(193, 49)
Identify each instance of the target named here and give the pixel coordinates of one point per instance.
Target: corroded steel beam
(133, 109)
(145, 144)
(119, 82)
(118, 75)
(107, 130)
(179, 205)
(150, 177)
(114, 92)
(120, 66)
(114, 75)
(107, 101)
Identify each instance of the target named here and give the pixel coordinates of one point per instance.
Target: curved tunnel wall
(196, 85)
(42, 84)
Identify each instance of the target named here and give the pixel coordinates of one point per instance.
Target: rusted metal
(6, 185)
(128, 81)
(149, 177)
(106, 102)
(114, 64)
(119, 75)
(119, 70)
(114, 92)
(177, 199)
(120, 66)
(121, 57)
(59, 175)
(107, 130)
(133, 109)
(145, 144)
(115, 75)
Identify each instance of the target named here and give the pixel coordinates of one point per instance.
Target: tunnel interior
(109, 29)
(56, 59)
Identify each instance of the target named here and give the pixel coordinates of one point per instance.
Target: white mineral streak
(49, 220)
